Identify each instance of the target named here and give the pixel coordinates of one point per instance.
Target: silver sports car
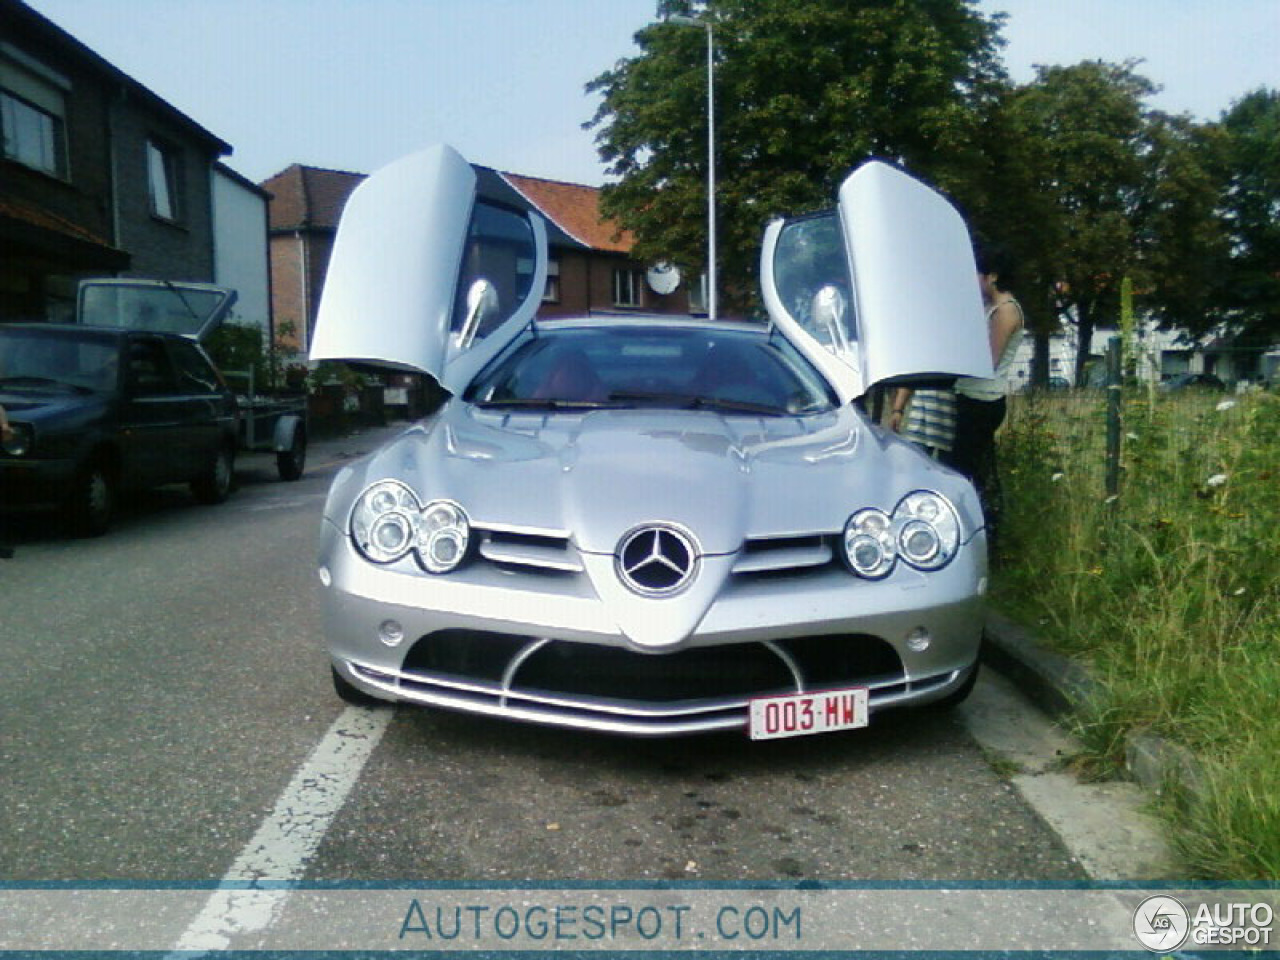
(652, 526)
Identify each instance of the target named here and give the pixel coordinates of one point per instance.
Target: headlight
(869, 543)
(19, 442)
(443, 532)
(924, 531)
(388, 521)
(929, 530)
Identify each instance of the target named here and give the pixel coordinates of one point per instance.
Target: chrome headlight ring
(388, 521)
(870, 547)
(923, 530)
(928, 529)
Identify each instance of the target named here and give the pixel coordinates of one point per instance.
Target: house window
(626, 287)
(33, 115)
(552, 293)
(163, 180)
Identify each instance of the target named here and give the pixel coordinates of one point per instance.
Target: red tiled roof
(576, 209)
(303, 196)
(309, 196)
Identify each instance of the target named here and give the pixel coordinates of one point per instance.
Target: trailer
(271, 424)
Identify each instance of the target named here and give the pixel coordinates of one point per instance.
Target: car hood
(597, 476)
(594, 477)
(46, 407)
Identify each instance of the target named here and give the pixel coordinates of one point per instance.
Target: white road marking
(289, 837)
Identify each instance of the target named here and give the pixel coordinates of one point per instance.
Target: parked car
(1194, 381)
(652, 526)
(102, 410)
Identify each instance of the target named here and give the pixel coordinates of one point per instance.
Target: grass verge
(1170, 592)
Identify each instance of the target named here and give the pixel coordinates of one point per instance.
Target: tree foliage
(804, 90)
(1104, 188)
(1250, 295)
(1073, 171)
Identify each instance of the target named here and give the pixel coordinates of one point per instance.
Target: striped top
(931, 419)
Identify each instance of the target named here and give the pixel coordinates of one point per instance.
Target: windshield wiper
(43, 382)
(688, 401)
(532, 403)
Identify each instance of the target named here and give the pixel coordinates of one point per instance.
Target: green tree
(1075, 136)
(1109, 189)
(1250, 292)
(805, 90)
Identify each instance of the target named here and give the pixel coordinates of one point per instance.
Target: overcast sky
(354, 84)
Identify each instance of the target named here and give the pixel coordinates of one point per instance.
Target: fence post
(1113, 420)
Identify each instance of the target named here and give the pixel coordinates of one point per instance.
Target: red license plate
(802, 714)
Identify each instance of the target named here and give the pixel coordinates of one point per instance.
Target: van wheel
(93, 501)
(214, 485)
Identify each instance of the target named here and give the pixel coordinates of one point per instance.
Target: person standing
(6, 432)
(980, 402)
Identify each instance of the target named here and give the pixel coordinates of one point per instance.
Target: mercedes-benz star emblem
(657, 561)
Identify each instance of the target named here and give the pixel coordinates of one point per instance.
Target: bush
(1171, 592)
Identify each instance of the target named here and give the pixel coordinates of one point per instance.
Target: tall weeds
(1171, 592)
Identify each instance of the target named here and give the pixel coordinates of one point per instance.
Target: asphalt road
(164, 685)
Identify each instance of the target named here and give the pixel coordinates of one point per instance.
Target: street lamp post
(711, 157)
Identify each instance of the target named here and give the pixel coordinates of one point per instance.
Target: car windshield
(153, 307)
(731, 371)
(57, 358)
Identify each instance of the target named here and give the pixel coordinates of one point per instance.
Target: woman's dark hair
(994, 258)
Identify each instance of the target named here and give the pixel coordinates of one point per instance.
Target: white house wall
(240, 248)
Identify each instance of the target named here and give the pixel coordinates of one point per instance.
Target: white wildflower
(1217, 480)
(1225, 405)
(1057, 476)
(1238, 592)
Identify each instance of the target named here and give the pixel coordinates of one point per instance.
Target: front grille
(782, 556)
(543, 553)
(540, 668)
(616, 674)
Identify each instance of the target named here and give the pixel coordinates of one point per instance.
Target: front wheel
(214, 485)
(960, 694)
(93, 501)
(351, 694)
(290, 463)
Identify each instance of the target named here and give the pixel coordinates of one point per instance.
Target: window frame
(633, 281)
(551, 293)
(164, 162)
(31, 91)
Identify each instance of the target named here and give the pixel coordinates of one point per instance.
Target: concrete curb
(1061, 686)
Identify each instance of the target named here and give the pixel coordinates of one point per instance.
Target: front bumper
(34, 484)
(544, 649)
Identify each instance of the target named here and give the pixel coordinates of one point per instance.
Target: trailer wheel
(290, 463)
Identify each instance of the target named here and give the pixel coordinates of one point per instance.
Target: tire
(960, 694)
(351, 694)
(214, 485)
(92, 503)
(290, 463)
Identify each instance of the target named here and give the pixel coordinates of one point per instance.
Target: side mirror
(829, 309)
(482, 306)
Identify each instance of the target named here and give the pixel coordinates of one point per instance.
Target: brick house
(589, 269)
(98, 175)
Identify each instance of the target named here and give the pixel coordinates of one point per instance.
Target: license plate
(802, 714)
